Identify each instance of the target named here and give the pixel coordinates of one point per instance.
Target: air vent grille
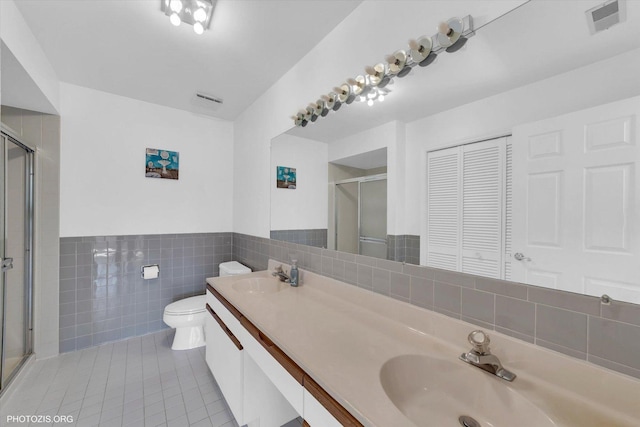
(605, 16)
(209, 98)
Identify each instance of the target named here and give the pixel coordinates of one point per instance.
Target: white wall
(306, 206)
(354, 43)
(497, 115)
(104, 190)
(372, 139)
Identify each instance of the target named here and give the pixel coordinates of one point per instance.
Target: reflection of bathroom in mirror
(300, 215)
(357, 204)
(340, 200)
(513, 158)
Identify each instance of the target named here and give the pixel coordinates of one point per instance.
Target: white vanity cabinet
(225, 358)
(251, 394)
(285, 375)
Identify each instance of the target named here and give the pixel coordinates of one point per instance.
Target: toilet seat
(192, 305)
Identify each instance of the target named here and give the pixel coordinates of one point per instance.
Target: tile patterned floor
(137, 382)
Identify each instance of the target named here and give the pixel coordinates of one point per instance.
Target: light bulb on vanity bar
(175, 19)
(176, 5)
(200, 15)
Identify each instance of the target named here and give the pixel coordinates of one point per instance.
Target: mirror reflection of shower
(358, 204)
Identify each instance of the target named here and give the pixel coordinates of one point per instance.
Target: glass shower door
(15, 251)
(346, 221)
(373, 218)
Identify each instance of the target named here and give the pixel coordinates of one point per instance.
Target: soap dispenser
(293, 274)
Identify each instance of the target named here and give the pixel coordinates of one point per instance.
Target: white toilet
(187, 315)
(233, 268)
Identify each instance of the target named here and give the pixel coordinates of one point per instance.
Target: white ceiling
(129, 48)
(536, 41)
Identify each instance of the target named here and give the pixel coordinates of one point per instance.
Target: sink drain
(467, 421)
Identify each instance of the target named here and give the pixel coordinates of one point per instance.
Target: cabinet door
(262, 399)
(317, 415)
(290, 388)
(227, 364)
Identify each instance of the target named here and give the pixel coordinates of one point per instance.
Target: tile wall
(102, 296)
(311, 237)
(404, 248)
(577, 325)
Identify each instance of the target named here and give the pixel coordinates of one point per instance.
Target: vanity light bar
(451, 37)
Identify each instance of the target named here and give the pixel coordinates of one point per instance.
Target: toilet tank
(233, 268)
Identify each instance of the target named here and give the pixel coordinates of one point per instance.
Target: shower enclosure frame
(359, 180)
(29, 209)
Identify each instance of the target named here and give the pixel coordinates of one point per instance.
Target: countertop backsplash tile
(576, 325)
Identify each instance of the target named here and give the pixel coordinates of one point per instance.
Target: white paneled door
(576, 190)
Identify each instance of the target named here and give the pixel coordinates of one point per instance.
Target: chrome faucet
(280, 274)
(481, 357)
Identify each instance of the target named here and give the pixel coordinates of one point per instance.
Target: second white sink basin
(259, 285)
(436, 392)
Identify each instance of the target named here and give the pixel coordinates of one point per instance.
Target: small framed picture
(162, 163)
(286, 177)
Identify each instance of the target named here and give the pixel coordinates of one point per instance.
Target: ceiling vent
(205, 103)
(605, 15)
(208, 98)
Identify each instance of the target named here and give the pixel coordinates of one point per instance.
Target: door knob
(519, 256)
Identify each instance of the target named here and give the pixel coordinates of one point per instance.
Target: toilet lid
(189, 305)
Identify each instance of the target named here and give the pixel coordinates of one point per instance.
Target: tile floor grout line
(107, 374)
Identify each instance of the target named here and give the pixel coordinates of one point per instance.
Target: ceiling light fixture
(193, 12)
(451, 37)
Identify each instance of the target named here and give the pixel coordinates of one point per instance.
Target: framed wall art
(286, 177)
(162, 163)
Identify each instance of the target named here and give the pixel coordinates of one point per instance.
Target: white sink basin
(259, 285)
(436, 392)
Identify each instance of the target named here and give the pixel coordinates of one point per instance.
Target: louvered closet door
(442, 211)
(465, 208)
(483, 208)
(508, 210)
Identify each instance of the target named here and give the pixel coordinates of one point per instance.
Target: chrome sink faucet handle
(480, 342)
(280, 274)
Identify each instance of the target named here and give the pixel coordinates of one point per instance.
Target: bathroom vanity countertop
(342, 336)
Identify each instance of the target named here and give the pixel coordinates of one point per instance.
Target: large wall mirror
(515, 158)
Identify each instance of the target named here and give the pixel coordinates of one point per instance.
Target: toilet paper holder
(148, 272)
